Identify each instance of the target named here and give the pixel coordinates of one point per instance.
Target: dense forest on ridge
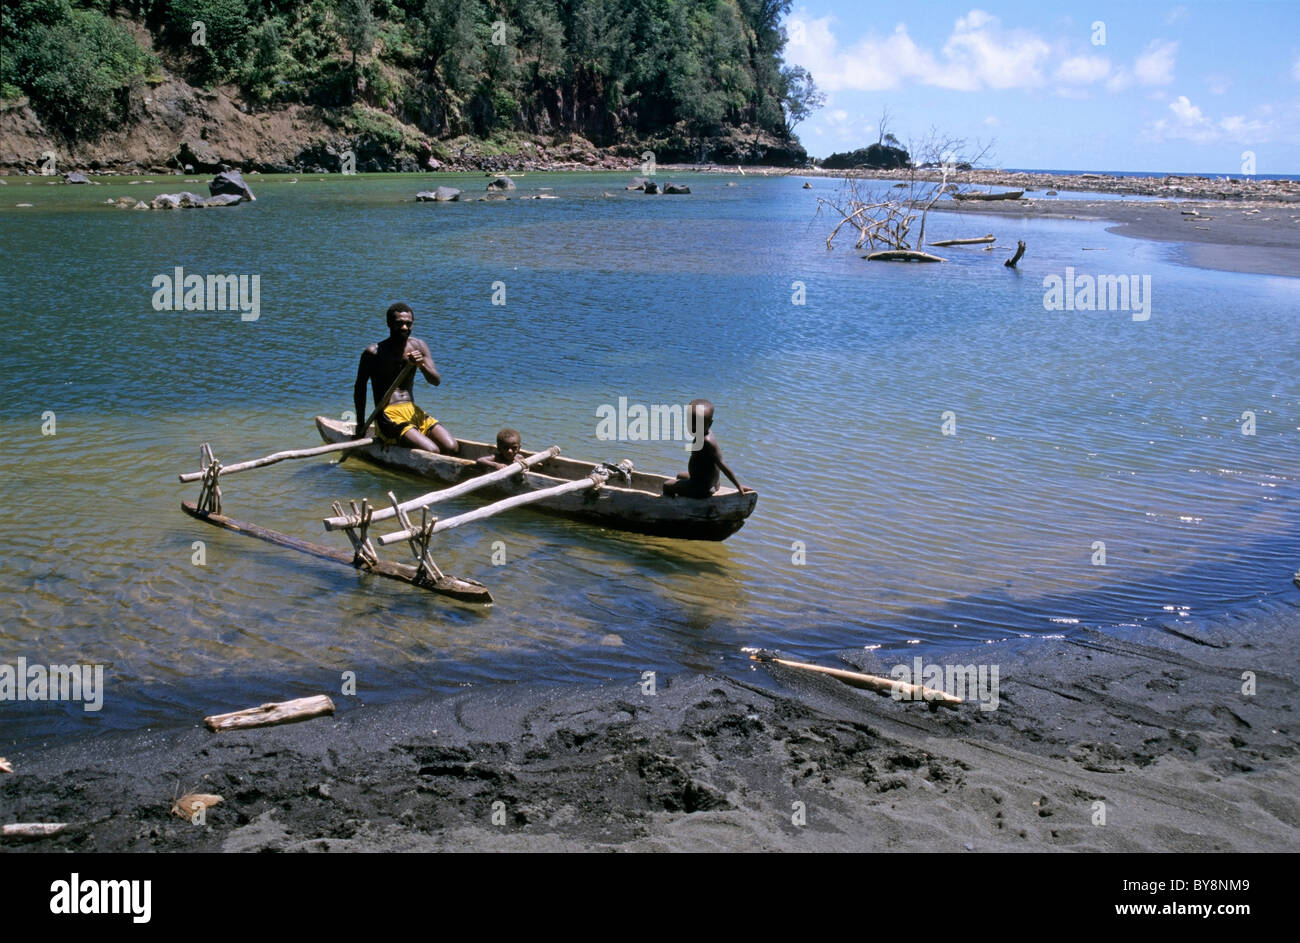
(610, 70)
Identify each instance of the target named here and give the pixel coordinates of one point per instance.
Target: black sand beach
(1149, 732)
(1260, 238)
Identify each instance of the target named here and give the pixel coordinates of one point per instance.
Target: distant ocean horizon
(1152, 173)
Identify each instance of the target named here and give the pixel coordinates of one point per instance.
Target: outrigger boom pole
(344, 522)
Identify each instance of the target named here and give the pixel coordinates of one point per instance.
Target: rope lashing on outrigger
(418, 538)
(210, 491)
(363, 551)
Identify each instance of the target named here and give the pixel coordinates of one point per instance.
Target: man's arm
(423, 359)
(359, 391)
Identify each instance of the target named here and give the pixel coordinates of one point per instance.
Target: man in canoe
(401, 421)
(700, 479)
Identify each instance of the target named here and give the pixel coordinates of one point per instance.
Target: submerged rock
(676, 188)
(187, 200)
(651, 187)
(638, 183)
(501, 183)
(76, 178)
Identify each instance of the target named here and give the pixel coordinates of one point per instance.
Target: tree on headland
(802, 96)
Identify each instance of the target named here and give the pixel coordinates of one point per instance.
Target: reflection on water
(1073, 429)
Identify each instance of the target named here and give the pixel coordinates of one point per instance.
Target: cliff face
(174, 126)
(413, 100)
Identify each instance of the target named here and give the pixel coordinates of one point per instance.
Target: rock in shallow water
(230, 181)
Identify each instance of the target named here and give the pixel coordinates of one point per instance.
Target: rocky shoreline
(1232, 189)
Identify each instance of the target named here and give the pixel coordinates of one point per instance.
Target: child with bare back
(700, 479)
(508, 445)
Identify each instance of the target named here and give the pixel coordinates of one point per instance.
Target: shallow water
(873, 527)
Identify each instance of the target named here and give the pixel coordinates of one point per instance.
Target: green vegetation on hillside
(607, 69)
(76, 65)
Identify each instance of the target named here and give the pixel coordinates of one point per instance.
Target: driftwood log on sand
(32, 831)
(901, 690)
(283, 712)
(1008, 195)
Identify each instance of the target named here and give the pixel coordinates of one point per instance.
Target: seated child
(508, 444)
(701, 477)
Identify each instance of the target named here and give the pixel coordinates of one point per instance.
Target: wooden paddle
(361, 430)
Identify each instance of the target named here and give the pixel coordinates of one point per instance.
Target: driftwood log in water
(1020, 251)
(975, 241)
(902, 255)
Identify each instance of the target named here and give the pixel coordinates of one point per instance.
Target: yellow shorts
(396, 418)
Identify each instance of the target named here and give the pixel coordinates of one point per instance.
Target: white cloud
(1120, 80)
(1218, 83)
(1187, 122)
(981, 54)
(1176, 14)
(1156, 64)
(1186, 112)
(1241, 126)
(978, 54)
(992, 121)
(1083, 70)
(1295, 70)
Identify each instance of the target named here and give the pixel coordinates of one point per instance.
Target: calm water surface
(872, 527)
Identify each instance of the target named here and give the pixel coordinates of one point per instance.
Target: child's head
(701, 415)
(508, 443)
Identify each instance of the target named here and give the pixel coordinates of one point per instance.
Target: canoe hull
(640, 508)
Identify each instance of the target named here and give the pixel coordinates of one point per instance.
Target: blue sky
(1137, 85)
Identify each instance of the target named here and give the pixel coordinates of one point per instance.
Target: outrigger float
(575, 489)
(425, 572)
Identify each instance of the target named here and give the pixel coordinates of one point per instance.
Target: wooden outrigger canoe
(1006, 195)
(638, 506)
